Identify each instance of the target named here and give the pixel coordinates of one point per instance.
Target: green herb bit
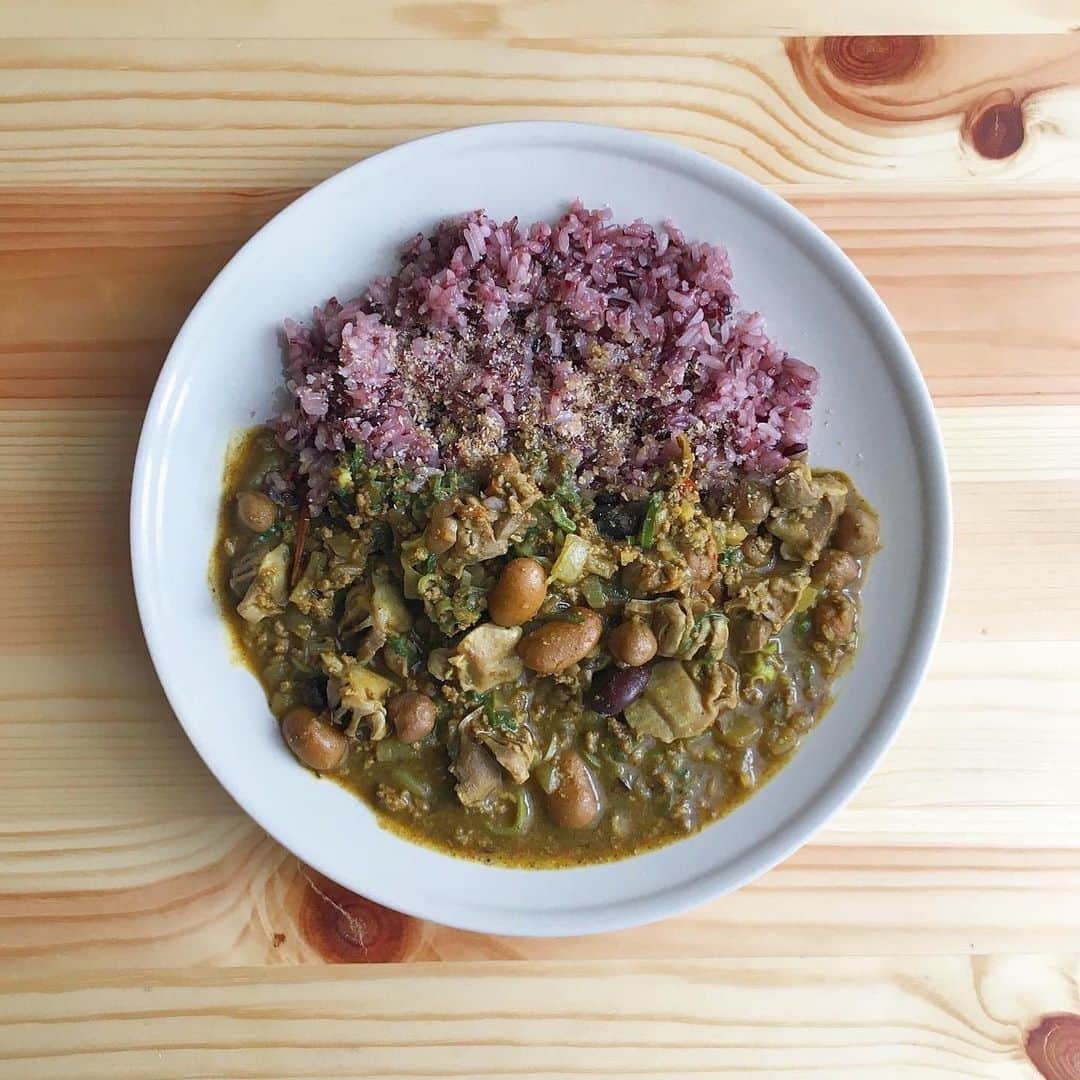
(503, 720)
(729, 556)
(272, 533)
(567, 492)
(701, 620)
(652, 518)
(446, 484)
(403, 647)
(356, 463)
(557, 514)
(498, 718)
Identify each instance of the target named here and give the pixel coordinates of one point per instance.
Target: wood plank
(889, 1018)
(447, 19)
(288, 113)
(215, 890)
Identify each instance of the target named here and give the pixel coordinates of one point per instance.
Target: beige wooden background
(148, 929)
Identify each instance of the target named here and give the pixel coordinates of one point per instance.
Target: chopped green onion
(403, 647)
(412, 784)
(446, 483)
(592, 588)
(567, 492)
(558, 515)
(522, 817)
(503, 720)
(499, 719)
(546, 776)
(652, 516)
(356, 462)
(592, 759)
(700, 621)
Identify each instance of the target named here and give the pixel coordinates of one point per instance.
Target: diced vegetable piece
(570, 564)
(671, 707)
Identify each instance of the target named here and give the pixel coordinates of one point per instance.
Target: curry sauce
(512, 668)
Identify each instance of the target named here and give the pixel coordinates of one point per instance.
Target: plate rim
(848, 775)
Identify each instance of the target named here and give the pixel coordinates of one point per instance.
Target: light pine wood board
(148, 928)
(257, 112)
(494, 19)
(943, 1018)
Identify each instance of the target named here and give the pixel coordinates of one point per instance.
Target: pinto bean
(255, 510)
(412, 714)
(563, 641)
(752, 503)
(632, 643)
(441, 533)
(574, 803)
(518, 593)
(857, 531)
(835, 569)
(317, 744)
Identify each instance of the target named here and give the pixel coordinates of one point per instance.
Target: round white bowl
(873, 419)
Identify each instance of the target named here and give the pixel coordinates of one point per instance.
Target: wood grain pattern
(950, 1017)
(149, 929)
(257, 112)
(493, 19)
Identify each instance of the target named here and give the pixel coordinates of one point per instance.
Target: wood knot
(1054, 1046)
(995, 127)
(868, 60)
(348, 929)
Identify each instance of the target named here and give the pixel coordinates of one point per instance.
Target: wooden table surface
(149, 929)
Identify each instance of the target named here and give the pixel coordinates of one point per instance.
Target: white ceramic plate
(873, 419)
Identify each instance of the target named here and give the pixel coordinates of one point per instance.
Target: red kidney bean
(619, 689)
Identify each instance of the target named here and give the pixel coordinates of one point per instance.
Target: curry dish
(515, 668)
